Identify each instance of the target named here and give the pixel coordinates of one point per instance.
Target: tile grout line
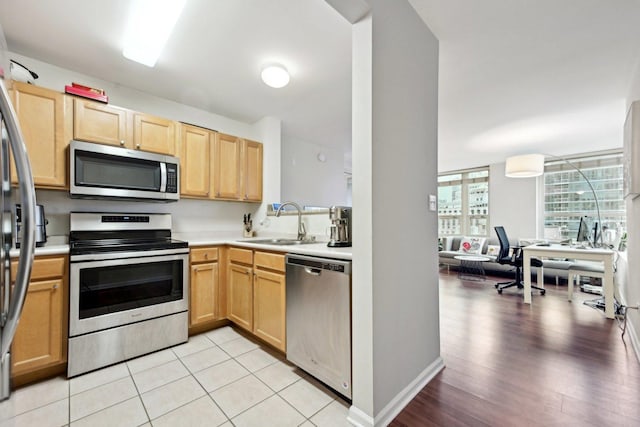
(144, 407)
(275, 359)
(16, 415)
(202, 386)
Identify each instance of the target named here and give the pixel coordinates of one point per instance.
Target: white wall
(396, 337)
(512, 203)
(309, 181)
(188, 215)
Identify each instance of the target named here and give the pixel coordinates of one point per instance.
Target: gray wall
(630, 291)
(309, 181)
(512, 203)
(395, 103)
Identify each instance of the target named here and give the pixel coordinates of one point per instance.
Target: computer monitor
(584, 230)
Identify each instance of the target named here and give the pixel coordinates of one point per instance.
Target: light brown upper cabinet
(106, 124)
(101, 123)
(195, 161)
(252, 170)
(45, 118)
(227, 158)
(237, 168)
(155, 134)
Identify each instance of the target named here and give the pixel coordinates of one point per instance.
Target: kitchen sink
(280, 241)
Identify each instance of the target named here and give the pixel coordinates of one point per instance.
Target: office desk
(605, 256)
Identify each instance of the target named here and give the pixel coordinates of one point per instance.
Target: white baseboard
(633, 336)
(358, 418)
(397, 404)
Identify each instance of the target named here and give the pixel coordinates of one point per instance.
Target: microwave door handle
(163, 177)
(28, 201)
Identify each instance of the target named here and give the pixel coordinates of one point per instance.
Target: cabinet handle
(55, 287)
(206, 256)
(138, 146)
(122, 142)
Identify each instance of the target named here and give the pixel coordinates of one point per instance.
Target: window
(463, 203)
(567, 195)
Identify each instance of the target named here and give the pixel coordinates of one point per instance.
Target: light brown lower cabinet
(240, 287)
(204, 285)
(269, 307)
(257, 294)
(41, 338)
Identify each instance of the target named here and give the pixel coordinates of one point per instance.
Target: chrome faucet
(302, 232)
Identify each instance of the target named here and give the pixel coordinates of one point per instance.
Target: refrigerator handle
(27, 234)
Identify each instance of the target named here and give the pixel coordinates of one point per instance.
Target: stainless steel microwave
(103, 171)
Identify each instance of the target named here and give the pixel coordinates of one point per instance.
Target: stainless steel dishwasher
(319, 319)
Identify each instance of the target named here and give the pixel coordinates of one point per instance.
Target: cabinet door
(252, 170)
(240, 294)
(195, 149)
(204, 291)
(227, 167)
(154, 134)
(101, 123)
(45, 118)
(39, 338)
(269, 321)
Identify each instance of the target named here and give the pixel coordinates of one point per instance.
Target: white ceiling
(522, 76)
(213, 58)
(516, 76)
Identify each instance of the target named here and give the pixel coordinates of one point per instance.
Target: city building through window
(463, 203)
(567, 196)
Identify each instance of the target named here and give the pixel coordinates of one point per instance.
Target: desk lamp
(532, 165)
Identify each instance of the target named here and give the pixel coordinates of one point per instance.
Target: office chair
(515, 260)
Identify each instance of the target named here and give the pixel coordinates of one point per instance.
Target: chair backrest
(504, 242)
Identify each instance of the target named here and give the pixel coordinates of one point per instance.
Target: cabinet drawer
(243, 256)
(204, 254)
(43, 268)
(269, 261)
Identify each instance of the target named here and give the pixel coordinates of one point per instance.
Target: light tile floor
(219, 378)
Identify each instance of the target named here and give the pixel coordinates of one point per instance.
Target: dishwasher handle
(312, 271)
(314, 265)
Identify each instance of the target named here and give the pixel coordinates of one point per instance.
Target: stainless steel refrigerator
(12, 297)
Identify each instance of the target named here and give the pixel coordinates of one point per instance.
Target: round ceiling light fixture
(275, 75)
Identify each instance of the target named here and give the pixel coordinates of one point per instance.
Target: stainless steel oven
(129, 287)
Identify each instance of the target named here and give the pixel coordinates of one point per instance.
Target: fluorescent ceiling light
(275, 75)
(149, 27)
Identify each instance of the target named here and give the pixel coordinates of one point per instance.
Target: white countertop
(58, 245)
(208, 238)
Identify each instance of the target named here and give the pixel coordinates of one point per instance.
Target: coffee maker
(340, 217)
(40, 223)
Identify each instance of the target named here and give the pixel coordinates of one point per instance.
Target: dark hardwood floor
(552, 363)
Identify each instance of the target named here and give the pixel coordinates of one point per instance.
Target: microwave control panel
(172, 178)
